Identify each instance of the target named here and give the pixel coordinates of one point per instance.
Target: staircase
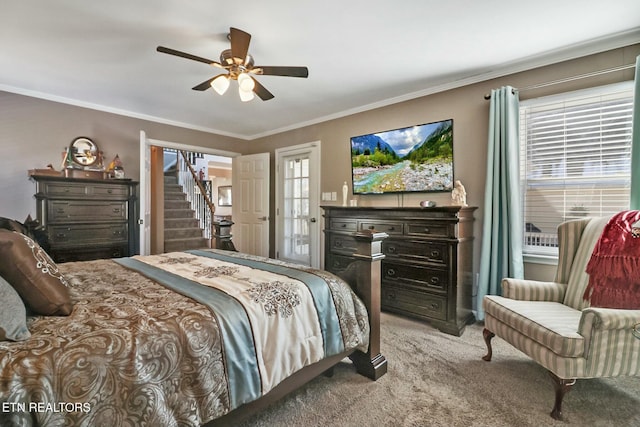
(181, 227)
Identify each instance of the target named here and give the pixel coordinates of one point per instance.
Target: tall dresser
(87, 219)
(428, 269)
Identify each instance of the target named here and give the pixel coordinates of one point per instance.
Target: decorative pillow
(13, 225)
(33, 274)
(13, 315)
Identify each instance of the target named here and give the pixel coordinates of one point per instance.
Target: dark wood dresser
(87, 219)
(428, 269)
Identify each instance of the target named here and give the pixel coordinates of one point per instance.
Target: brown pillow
(13, 225)
(33, 274)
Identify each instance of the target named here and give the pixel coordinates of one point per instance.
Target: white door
(145, 194)
(250, 209)
(298, 208)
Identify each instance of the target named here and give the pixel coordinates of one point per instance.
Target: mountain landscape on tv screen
(387, 162)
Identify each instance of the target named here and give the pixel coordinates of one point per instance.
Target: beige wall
(470, 113)
(33, 133)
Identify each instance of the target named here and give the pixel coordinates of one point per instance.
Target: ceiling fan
(240, 66)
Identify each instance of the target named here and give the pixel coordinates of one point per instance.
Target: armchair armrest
(607, 319)
(533, 290)
(610, 342)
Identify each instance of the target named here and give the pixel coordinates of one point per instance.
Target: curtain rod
(570, 79)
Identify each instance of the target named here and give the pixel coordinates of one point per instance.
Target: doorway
(298, 207)
(149, 195)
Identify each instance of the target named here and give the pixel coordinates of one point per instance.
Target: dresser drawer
(423, 278)
(340, 224)
(418, 250)
(342, 243)
(94, 234)
(106, 191)
(428, 229)
(415, 302)
(86, 190)
(389, 227)
(65, 189)
(86, 210)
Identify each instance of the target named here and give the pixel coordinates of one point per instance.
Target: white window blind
(575, 160)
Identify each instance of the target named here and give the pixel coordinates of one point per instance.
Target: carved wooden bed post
(222, 235)
(367, 285)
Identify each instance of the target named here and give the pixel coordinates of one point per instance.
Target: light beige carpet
(435, 379)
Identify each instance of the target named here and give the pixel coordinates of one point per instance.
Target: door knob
(264, 218)
(312, 220)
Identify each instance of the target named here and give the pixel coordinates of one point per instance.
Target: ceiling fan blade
(205, 84)
(281, 71)
(239, 43)
(187, 55)
(261, 91)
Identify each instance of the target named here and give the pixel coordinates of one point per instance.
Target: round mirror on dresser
(84, 152)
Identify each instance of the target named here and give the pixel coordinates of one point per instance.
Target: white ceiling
(360, 53)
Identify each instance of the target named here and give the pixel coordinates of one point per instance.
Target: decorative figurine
(115, 168)
(459, 194)
(345, 193)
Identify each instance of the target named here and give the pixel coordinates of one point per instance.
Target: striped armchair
(552, 323)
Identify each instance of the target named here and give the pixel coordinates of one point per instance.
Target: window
(575, 160)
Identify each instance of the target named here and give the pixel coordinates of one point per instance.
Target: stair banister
(205, 222)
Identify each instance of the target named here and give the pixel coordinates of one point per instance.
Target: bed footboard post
(367, 281)
(221, 238)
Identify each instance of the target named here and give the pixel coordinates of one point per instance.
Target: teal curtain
(635, 143)
(501, 254)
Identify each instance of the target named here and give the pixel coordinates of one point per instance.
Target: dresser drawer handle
(344, 226)
(391, 272)
(372, 227)
(117, 232)
(434, 306)
(435, 254)
(427, 230)
(392, 249)
(391, 295)
(61, 235)
(337, 244)
(435, 280)
(116, 210)
(392, 228)
(110, 190)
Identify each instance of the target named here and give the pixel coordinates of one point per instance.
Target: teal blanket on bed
(242, 358)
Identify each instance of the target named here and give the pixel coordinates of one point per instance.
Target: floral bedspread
(134, 352)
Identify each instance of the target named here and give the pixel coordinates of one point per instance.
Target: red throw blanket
(614, 267)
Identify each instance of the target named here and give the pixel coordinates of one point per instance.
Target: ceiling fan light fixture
(245, 82)
(240, 66)
(220, 84)
(245, 95)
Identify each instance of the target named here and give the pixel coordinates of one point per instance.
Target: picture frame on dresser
(86, 219)
(427, 272)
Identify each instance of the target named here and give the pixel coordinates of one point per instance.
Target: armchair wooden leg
(562, 387)
(488, 335)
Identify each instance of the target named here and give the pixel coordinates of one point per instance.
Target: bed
(192, 338)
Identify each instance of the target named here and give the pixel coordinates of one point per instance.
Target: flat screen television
(412, 159)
